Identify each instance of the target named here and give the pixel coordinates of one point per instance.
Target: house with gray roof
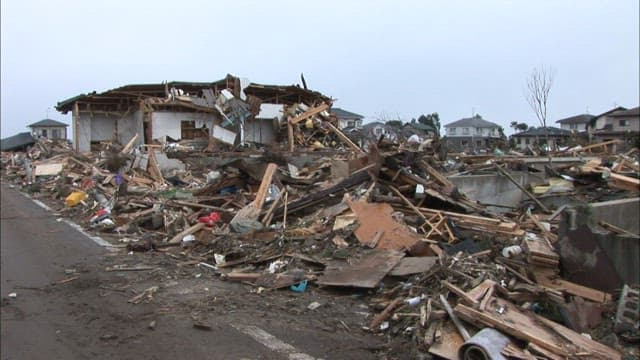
(536, 136)
(50, 129)
(473, 134)
(347, 119)
(616, 124)
(577, 123)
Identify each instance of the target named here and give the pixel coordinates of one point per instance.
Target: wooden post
(76, 118)
(530, 195)
(290, 134)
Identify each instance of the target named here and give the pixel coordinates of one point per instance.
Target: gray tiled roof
(578, 119)
(48, 122)
(340, 113)
(539, 131)
(17, 141)
(475, 121)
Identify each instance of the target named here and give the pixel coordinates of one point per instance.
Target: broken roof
(47, 122)
(18, 141)
(137, 91)
(288, 94)
(267, 93)
(476, 121)
(577, 119)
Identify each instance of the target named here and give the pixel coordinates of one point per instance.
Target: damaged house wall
(264, 127)
(171, 124)
(96, 127)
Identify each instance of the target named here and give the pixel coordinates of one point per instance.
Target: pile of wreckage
(451, 275)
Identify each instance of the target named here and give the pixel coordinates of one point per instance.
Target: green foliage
(432, 120)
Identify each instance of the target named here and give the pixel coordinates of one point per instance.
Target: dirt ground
(73, 302)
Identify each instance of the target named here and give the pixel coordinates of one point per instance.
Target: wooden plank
(463, 295)
(365, 272)
(188, 231)
(508, 318)
(449, 343)
(545, 278)
(456, 321)
(414, 265)
(264, 185)
(344, 138)
(525, 191)
(127, 148)
(307, 114)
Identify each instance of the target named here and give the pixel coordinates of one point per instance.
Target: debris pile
(439, 270)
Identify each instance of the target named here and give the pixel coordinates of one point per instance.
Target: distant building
(615, 124)
(536, 136)
(577, 123)
(374, 130)
(347, 119)
(471, 134)
(50, 129)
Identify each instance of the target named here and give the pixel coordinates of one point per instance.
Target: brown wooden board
(449, 344)
(366, 272)
(375, 217)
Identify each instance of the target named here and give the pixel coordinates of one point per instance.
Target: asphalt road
(60, 314)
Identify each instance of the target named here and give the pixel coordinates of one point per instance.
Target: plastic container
(75, 198)
(511, 251)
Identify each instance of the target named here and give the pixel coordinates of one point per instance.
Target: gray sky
(376, 57)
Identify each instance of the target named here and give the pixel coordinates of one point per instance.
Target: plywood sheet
(365, 272)
(48, 169)
(414, 265)
(375, 218)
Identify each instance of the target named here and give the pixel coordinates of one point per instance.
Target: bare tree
(538, 87)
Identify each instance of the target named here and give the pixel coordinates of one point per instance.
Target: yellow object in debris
(317, 145)
(74, 198)
(309, 123)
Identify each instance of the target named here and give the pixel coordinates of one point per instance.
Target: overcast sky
(392, 58)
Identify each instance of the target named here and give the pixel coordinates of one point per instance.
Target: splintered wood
(561, 341)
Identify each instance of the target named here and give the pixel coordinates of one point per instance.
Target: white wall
(260, 131)
(168, 123)
(83, 137)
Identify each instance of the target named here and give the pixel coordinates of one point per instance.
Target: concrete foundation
(495, 189)
(623, 213)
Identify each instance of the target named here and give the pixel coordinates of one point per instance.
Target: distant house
(577, 123)
(616, 124)
(347, 119)
(535, 136)
(471, 134)
(376, 129)
(18, 142)
(50, 129)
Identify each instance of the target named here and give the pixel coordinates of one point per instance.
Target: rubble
(388, 223)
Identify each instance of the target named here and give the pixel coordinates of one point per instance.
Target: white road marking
(96, 239)
(272, 342)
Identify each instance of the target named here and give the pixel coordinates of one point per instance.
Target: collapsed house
(231, 111)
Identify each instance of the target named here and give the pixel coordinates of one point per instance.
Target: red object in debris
(87, 183)
(211, 219)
